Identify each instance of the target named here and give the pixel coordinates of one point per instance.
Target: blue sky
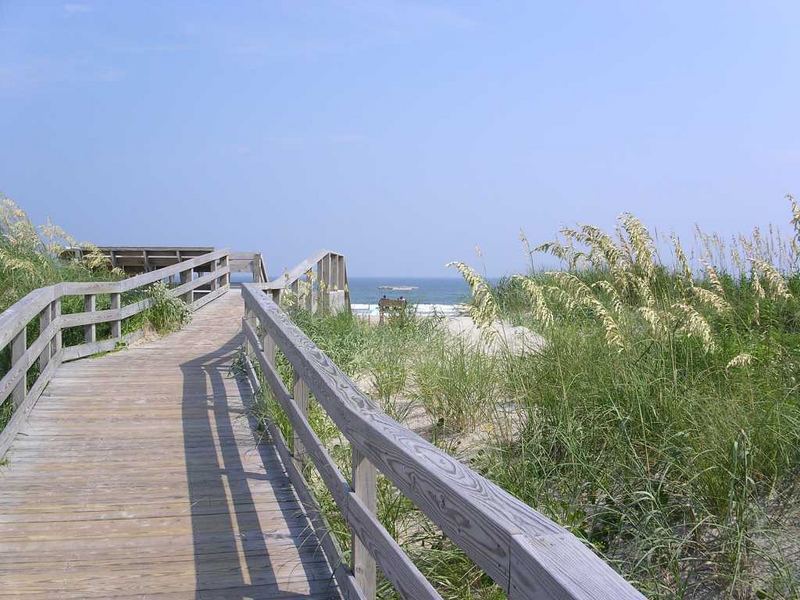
(401, 133)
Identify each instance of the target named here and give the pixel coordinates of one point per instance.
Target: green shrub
(166, 313)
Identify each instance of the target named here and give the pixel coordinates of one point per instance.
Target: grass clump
(167, 313)
(456, 383)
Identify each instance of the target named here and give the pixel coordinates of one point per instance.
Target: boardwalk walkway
(138, 475)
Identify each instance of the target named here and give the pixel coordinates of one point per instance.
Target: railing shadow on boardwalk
(231, 549)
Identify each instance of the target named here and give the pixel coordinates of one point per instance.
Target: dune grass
(659, 421)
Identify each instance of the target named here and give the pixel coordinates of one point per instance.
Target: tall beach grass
(659, 420)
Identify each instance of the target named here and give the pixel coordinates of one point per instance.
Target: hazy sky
(401, 133)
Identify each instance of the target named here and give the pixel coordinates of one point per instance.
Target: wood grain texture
(139, 475)
(481, 518)
(365, 481)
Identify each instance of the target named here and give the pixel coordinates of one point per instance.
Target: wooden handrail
(523, 551)
(45, 304)
(327, 288)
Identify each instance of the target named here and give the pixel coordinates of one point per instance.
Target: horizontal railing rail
(48, 350)
(317, 283)
(523, 551)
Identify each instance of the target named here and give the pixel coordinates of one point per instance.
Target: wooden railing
(252, 262)
(528, 555)
(140, 259)
(45, 304)
(319, 283)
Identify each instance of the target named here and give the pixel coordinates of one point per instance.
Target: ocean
(441, 295)
(430, 295)
(428, 290)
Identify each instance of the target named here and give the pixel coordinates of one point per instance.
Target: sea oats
(740, 360)
(795, 215)
(603, 246)
(755, 283)
(640, 241)
(14, 264)
(655, 319)
(713, 278)
(611, 292)
(712, 299)
(693, 324)
(484, 308)
(565, 253)
(541, 313)
(736, 258)
(643, 290)
(612, 332)
(93, 257)
(776, 282)
(683, 262)
(574, 291)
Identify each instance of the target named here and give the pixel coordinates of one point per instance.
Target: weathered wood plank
(365, 481)
(116, 324)
(83, 350)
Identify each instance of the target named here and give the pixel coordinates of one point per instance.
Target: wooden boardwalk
(138, 475)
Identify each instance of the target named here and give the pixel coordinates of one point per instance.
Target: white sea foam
(423, 310)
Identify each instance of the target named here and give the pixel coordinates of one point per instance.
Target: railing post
(56, 314)
(250, 317)
(89, 331)
(116, 326)
(365, 487)
(212, 266)
(310, 290)
(268, 345)
(226, 278)
(257, 269)
(300, 394)
(316, 288)
(186, 277)
(333, 273)
(44, 321)
(18, 346)
(341, 274)
(324, 284)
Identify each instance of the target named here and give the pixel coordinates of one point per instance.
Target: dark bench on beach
(392, 306)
